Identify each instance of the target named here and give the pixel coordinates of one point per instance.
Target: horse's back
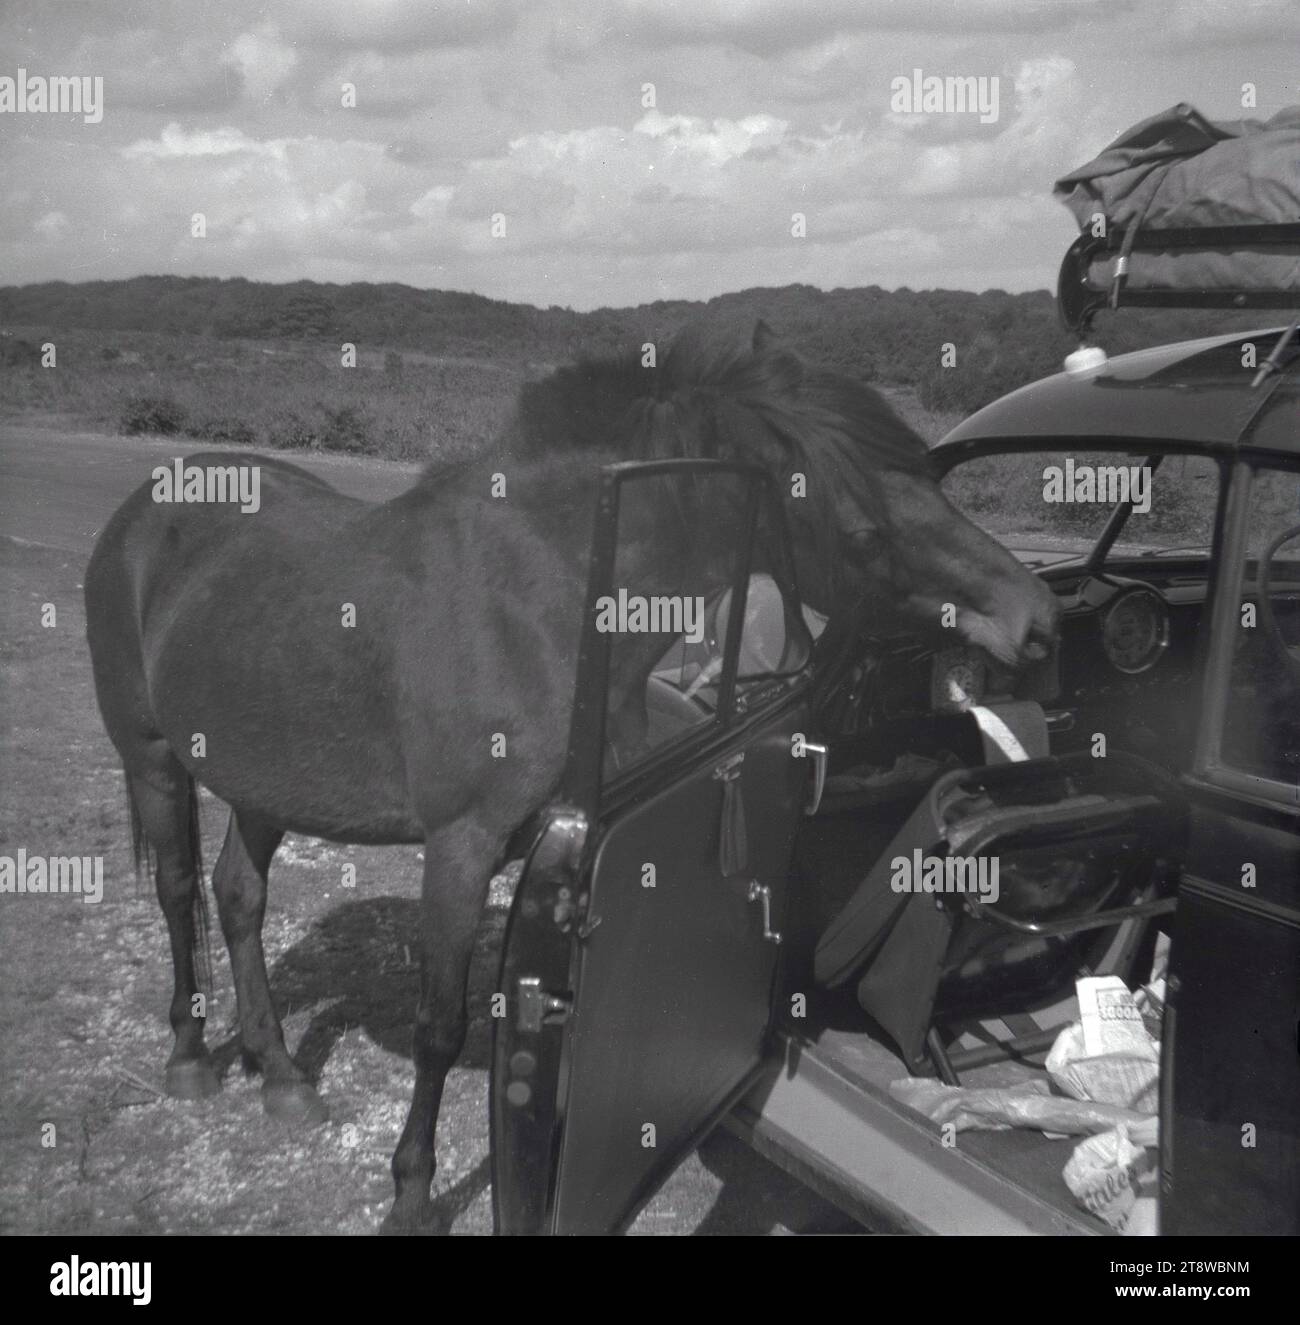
(173, 585)
(151, 534)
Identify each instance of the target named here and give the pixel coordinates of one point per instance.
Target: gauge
(1135, 630)
(958, 680)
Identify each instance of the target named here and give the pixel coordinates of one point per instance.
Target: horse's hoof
(293, 1102)
(192, 1079)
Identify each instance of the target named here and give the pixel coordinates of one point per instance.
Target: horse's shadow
(359, 967)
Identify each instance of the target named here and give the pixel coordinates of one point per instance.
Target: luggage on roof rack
(1183, 212)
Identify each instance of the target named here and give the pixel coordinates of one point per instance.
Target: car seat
(1071, 844)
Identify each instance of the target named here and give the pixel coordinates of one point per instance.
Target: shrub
(346, 430)
(15, 353)
(294, 433)
(152, 414)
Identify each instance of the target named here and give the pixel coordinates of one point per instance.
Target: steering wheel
(1266, 600)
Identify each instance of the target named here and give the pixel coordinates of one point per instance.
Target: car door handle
(820, 754)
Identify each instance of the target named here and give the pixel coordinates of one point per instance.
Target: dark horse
(221, 653)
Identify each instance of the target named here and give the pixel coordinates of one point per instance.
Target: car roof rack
(1079, 298)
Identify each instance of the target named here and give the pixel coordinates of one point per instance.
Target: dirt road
(57, 489)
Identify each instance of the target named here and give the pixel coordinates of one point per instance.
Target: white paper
(1112, 1023)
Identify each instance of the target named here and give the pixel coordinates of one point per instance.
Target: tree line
(957, 349)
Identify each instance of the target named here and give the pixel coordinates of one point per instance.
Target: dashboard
(1124, 666)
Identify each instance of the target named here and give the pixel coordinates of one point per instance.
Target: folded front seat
(1059, 846)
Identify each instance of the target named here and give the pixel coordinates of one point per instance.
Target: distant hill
(1001, 340)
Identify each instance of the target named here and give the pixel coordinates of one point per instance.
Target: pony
(339, 668)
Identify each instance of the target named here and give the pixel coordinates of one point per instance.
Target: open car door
(640, 958)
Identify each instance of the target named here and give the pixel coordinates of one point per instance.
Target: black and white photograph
(658, 617)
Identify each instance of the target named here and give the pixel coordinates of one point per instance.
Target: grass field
(281, 395)
(285, 395)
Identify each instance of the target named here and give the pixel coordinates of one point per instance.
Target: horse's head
(873, 534)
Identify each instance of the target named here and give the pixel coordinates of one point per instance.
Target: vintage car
(688, 944)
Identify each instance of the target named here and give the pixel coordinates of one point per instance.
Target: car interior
(1066, 774)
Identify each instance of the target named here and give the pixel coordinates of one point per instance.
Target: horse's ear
(764, 337)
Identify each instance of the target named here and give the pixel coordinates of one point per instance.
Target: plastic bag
(1144, 1219)
(1029, 1104)
(1107, 1055)
(1107, 1172)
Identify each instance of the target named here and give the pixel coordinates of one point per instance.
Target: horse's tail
(142, 855)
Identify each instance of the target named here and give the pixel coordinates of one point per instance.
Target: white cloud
(53, 226)
(174, 142)
(264, 60)
(718, 142)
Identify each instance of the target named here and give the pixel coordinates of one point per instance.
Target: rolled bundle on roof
(1183, 204)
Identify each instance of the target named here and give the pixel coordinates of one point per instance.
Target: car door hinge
(539, 1007)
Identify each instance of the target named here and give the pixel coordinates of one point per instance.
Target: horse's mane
(715, 393)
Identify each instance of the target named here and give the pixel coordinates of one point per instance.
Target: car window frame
(585, 782)
(947, 456)
(1228, 575)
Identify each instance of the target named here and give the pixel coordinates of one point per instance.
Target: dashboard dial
(959, 679)
(1135, 630)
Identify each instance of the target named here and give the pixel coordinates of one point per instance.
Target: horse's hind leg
(162, 797)
(457, 871)
(239, 881)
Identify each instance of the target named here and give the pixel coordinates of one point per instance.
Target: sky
(594, 152)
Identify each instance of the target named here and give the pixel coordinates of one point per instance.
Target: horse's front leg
(457, 871)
